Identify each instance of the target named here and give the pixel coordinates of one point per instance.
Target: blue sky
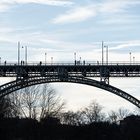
(62, 27)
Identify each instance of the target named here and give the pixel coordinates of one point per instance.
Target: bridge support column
(62, 74)
(104, 80)
(104, 75)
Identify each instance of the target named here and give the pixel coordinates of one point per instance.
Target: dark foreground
(51, 129)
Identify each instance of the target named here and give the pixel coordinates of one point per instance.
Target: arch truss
(7, 88)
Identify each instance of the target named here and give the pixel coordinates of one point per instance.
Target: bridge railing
(41, 63)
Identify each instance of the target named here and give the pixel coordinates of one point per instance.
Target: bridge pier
(104, 75)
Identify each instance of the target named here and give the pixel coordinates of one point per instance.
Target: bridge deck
(84, 69)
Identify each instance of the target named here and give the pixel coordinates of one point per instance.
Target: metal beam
(22, 83)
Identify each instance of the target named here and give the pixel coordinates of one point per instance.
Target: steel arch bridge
(28, 75)
(22, 83)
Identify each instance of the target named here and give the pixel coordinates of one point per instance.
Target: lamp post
(106, 54)
(80, 60)
(133, 60)
(51, 60)
(75, 58)
(102, 52)
(45, 58)
(25, 54)
(130, 57)
(22, 59)
(18, 53)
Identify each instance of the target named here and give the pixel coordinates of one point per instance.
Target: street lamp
(130, 57)
(45, 57)
(106, 54)
(18, 53)
(25, 54)
(22, 59)
(75, 58)
(51, 60)
(133, 59)
(102, 52)
(80, 60)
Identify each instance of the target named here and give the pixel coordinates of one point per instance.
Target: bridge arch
(10, 87)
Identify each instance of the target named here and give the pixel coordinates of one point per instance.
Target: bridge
(28, 74)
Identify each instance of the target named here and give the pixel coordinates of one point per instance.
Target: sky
(61, 28)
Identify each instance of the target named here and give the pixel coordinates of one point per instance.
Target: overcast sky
(62, 27)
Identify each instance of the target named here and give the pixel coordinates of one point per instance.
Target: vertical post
(102, 52)
(106, 55)
(130, 57)
(51, 60)
(75, 58)
(45, 57)
(80, 60)
(22, 59)
(18, 53)
(26, 55)
(133, 60)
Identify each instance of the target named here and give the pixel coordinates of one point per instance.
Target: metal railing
(41, 63)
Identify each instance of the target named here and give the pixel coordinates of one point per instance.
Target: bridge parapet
(59, 63)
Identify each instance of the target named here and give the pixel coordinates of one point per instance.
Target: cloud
(111, 6)
(48, 2)
(4, 6)
(75, 15)
(7, 4)
(133, 43)
(82, 13)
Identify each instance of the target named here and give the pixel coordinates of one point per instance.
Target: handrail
(38, 63)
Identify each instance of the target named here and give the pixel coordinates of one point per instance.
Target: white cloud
(48, 2)
(113, 6)
(75, 15)
(83, 13)
(133, 43)
(4, 7)
(119, 6)
(6, 4)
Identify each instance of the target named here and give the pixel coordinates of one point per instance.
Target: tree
(115, 116)
(93, 113)
(7, 108)
(51, 104)
(72, 118)
(29, 101)
(90, 114)
(25, 101)
(14, 99)
(38, 101)
(137, 111)
(122, 113)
